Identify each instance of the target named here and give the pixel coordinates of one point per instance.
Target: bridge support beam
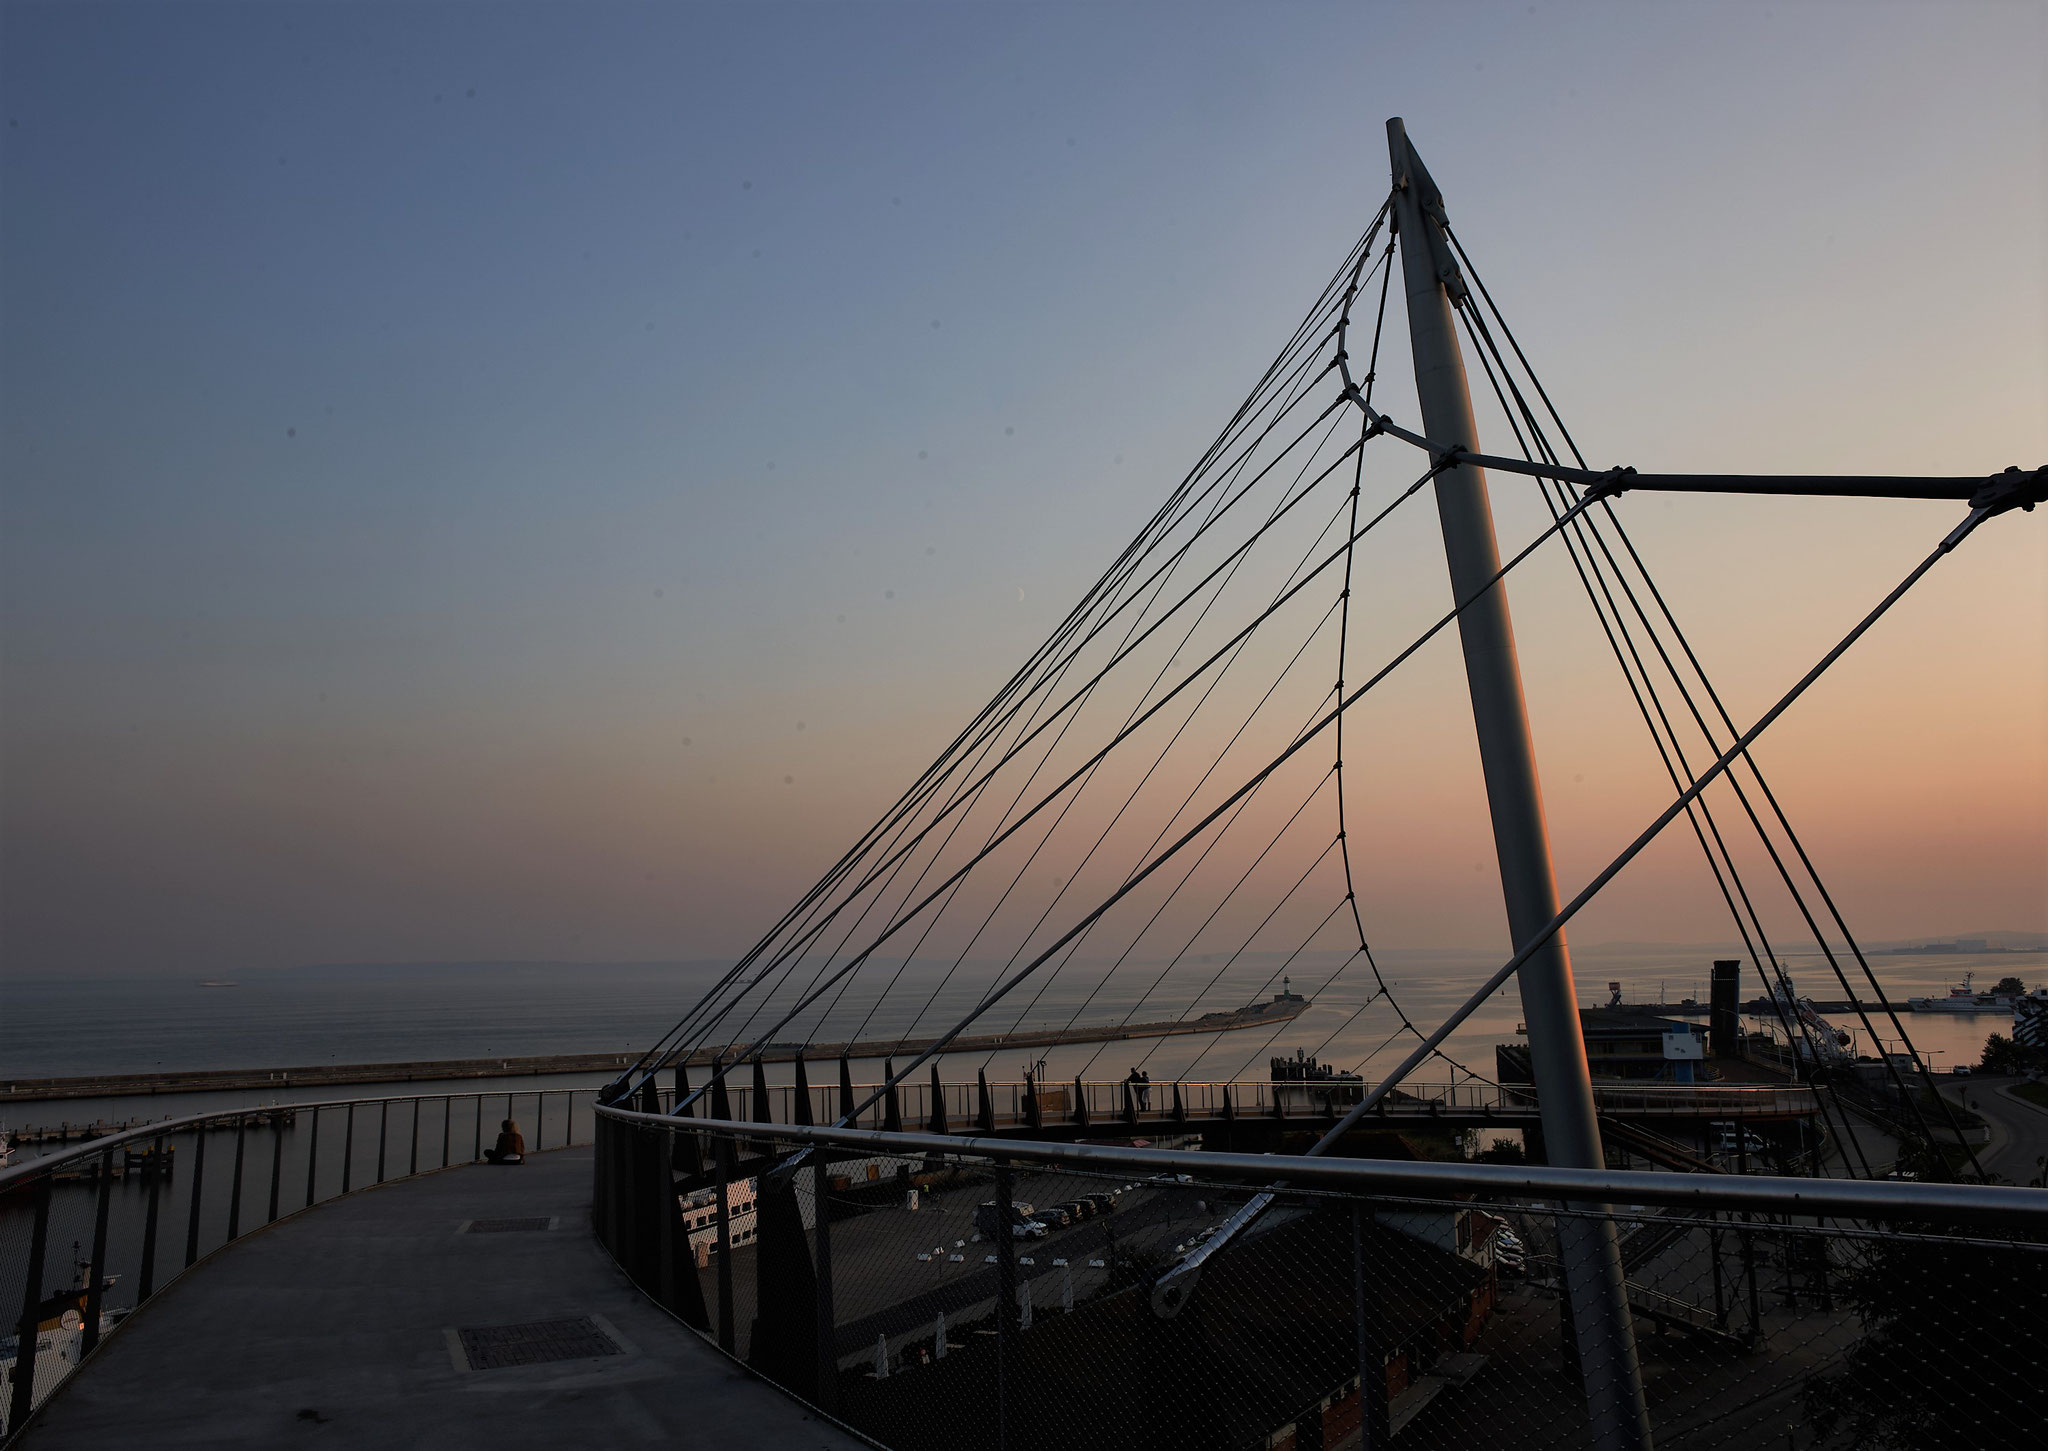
(1597, 1289)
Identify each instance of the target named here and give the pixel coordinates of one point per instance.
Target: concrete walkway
(342, 1328)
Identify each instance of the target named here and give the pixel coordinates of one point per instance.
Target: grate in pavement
(490, 1347)
(508, 1226)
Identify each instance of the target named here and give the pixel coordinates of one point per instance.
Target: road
(2019, 1129)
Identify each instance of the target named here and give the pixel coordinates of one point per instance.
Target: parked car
(1961, 1070)
(1023, 1223)
(1080, 1209)
(1728, 1141)
(1057, 1216)
(1104, 1203)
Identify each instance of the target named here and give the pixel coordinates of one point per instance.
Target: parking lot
(895, 1270)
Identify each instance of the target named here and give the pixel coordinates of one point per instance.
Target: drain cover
(490, 1347)
(507, 1226)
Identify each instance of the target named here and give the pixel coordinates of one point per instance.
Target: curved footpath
(2019, 1129)
(344, 1327)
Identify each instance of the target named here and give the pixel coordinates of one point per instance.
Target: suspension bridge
(1175, 782)
(853, 1164)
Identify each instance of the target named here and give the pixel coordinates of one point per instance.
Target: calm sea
(395, 1014)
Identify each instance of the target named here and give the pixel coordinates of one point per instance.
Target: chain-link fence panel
(935, 1299)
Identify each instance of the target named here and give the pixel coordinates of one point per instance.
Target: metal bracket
(1617, 480)
(2013, 489)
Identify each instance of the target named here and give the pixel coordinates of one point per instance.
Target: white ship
(1965, 999)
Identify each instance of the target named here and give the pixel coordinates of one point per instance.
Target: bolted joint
(2013, 489)
(1617, 480)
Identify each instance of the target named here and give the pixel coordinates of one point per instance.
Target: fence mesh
(944, 1302)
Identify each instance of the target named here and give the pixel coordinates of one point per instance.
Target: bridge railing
(90, 1232)
(874, 1275)
(1159, 1105)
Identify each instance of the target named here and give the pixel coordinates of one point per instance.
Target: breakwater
(113, 1085)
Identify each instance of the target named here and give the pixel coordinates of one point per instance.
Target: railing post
(601, 1211)
(828, 1336)
(1372, 1363)
(96, 1282)
(348, 1148)
(689, 1149)
(276, 1164)
(198, 1179)
(1756, 1315)
(159, 1169)
(23, 1399)
(413, 1165)
(1714, 1258)
(726, 1340)
(313, 1160)
(671, 1242)
(1006, 1301)
(447, 1122)
(1821, 1266)
(383, 1133)
(235, 1179)
(477, 1152)
(626, 1196)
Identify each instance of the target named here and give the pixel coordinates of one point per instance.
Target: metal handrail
(93, 1148)
(33, 1376)
(1109, 1098)
(1765, 1194)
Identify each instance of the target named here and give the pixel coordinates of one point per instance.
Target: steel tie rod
(2014, 488)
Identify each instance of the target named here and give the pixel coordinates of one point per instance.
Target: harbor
(978, 729)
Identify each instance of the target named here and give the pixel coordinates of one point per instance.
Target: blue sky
(459, 459)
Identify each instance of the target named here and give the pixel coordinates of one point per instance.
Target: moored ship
(1964, 998)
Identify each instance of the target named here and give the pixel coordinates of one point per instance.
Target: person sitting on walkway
(510, 1148)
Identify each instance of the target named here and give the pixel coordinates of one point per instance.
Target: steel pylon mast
(1591, 1256)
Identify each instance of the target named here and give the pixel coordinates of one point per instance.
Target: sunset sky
(533, 482)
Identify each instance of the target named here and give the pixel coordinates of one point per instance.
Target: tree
(1954, 1335)
(2003, 1055)
(2011, 986)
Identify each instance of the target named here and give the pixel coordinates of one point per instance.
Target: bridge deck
(337, 1323)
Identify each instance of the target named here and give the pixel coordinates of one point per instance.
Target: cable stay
(1163, 805)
